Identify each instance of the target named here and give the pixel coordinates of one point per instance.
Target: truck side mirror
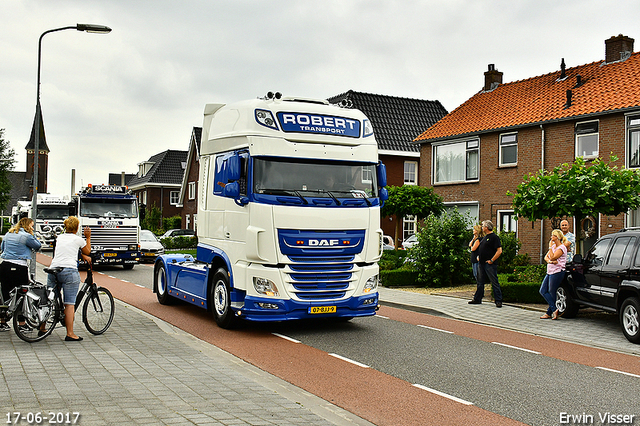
(233, 168)
(381, 171)
(384, 194)
(231, 190)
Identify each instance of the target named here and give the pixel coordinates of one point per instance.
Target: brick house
(396, 123)
(158, 182)
(485, 147)
(188, 198)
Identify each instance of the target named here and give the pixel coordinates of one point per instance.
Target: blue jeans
(548, 289)
(475, 267)
(69, 280)
(488, 272)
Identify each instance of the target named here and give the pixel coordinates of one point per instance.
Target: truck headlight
(265, 286)
(134, 247)
(372, 284)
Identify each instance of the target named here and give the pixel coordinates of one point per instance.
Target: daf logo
(323, 243)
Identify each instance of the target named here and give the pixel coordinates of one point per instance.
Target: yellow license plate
(110, 254)
(322, 309)
(148, 254)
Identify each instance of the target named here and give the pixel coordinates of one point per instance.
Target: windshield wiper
(333, 196)
(285, 192)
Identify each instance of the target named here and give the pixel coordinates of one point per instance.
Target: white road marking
(381, 316)
(446, 395)
(350, 360)
(286, 338)
(620, 372)
(515, 347)
(436, 329)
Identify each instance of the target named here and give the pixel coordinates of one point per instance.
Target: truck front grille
(113, 238)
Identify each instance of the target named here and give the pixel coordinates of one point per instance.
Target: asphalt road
(532, 380)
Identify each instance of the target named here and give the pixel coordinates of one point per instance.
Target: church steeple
(43, 158)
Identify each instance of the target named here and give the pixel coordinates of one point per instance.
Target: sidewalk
(599, 330)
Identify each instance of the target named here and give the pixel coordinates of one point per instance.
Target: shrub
(398, 278)
(519, 292)
(441, 255)
(392, 259)
(173, 222)
(180, 242)
(510, 246)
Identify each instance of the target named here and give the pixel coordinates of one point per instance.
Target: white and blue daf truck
(289, 198)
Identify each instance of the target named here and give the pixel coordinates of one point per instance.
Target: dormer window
(143, 168)
(633, 140)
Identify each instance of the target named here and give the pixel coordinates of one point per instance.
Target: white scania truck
(289, 199)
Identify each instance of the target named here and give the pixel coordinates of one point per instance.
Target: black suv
(608, 278)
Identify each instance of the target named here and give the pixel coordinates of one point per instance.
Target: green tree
(578, 190)
(7, 162)
(152, 220)
(441, 256)
(405, 200)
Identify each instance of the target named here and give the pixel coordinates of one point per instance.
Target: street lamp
(89, 28)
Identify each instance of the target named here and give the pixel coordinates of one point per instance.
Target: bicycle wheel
(98, 310)
(33, 317)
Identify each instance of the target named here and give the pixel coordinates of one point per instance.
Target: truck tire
(220, 299)
(564, 303)
(161, 285)
(630, 319)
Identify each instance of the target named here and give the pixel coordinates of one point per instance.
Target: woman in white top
(66, 257)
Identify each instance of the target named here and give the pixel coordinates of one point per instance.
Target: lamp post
(89, 28)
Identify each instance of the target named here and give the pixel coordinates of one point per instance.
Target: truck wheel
(161, 286)
(221, 299)
(567, 307)
(630, 319)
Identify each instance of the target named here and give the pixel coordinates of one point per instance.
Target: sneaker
(474, 302)
(498, 304)
(4, 327)
(25, 328)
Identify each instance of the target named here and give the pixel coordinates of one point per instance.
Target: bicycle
(99, 307)
(31, 306)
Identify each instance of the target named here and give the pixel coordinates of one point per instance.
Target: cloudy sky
(111, 101)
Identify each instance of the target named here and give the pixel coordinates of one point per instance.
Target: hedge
(399, 278)
(519, 292)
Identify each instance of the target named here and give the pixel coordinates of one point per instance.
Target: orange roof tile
(605, 88)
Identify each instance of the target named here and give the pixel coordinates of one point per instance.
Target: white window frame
(513, 223)
(579, 135)
(508, 140)
(367, 174)
(410, 176)
(409, 226)
(192, 190)
(633, 129)
(174, 197)
(468, 148)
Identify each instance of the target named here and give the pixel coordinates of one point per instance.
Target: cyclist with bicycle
(66, 257)
(16, 249)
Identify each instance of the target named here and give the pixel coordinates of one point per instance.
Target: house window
(187, 221)
(469, 210)
(633, 125)
(507, 221)
(587, 139)
(174, 197)
(192, 190)
(410, 175)
(367, 174)
(509, 149)
(408, 226)
(456, 162)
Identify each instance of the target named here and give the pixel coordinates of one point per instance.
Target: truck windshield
(108, 208)
(57, 212)
(319, 180)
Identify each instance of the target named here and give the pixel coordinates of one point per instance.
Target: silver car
(150, 247)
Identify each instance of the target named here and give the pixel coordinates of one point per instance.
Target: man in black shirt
(489, 251)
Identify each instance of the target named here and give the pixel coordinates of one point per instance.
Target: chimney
(492, 78)
(617, 48)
